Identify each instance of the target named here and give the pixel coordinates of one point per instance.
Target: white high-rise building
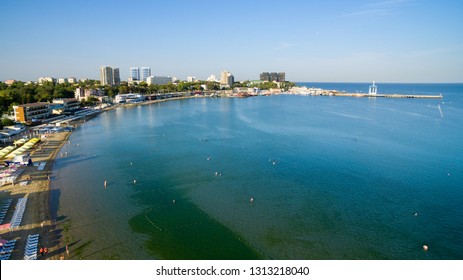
(145, 72)
(190, 79)
(106, 75)
(109, 76)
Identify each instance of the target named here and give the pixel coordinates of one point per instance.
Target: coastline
(41, 198)
(40, 216)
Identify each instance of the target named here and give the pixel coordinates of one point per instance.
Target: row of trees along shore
(22, 93)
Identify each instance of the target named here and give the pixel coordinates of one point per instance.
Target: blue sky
(333, 40)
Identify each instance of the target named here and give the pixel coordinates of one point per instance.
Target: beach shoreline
(40, 216)
(34, 184)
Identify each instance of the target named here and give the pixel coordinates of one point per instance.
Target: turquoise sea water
(330, 178)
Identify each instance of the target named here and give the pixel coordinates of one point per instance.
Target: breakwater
(386, 95)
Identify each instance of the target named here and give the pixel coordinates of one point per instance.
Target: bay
(329, 178)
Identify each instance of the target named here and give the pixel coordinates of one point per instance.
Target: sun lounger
(8, 251)
(5, 257)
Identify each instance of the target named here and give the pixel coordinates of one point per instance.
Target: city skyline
(354, 41)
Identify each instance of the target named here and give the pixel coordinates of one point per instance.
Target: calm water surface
(330, 178)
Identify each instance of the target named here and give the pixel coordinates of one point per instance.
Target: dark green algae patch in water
(179, 230)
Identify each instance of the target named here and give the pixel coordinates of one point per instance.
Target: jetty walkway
(386, 95)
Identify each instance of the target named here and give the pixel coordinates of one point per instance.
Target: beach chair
(5, 257)
(7, 245)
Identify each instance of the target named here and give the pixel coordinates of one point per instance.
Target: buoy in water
(251, 200)
(105, 183)
(134, 181)
(425, 247)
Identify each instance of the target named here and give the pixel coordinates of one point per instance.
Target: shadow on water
(180, 230)
(72, 159)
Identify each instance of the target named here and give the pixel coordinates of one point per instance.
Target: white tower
(373, 89)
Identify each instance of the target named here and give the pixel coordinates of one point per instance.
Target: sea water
(270, 177)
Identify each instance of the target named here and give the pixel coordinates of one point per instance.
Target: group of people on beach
(43, 251)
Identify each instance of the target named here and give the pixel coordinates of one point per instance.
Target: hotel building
(30, 112)
(158, 80)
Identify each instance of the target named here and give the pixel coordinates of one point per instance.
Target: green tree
(6, 122)
(123, 89)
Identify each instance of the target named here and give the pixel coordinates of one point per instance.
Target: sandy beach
(38, 217)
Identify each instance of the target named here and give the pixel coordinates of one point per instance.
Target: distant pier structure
(373, 89)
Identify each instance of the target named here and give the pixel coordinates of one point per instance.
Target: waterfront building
(226, 78)
(68, 104)
(106, 76)
(134, 74)
(158, 80)
(79, 93)
(31, 112)
(145, 72)
(373, 89)
(273, 77)
(129, 98)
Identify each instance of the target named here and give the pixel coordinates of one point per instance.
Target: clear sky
(332, 40)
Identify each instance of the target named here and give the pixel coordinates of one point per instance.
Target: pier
(384, 95)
